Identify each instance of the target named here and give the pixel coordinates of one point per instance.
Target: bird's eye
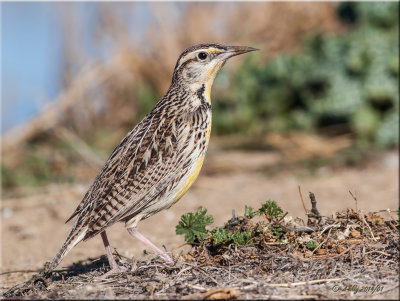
(202, 55)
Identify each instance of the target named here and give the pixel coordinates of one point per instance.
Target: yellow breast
(190, 180)
(196, 171)
(211, 74)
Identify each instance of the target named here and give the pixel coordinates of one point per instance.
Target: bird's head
(198, 65)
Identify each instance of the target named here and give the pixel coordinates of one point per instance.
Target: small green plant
(311, 245)
(277, 231)
(270, 210)
(241, 238)
(248, 212)
(221, 236)
(193, 225)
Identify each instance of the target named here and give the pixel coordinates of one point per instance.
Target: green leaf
(311, 245)
(241, 238)
(277, 231)
(248, 211)
(220, 236)
(270, 210)
(193, 225)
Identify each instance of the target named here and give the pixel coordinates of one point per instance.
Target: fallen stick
(216, 294)
(307, 229)
(304, 282)
(302, 202)
(314, 209)
(365, 222)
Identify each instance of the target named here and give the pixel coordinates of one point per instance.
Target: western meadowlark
(158, 160)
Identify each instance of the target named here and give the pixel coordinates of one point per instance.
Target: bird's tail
(72, 240)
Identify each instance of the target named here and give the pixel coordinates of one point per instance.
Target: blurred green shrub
(350, 80)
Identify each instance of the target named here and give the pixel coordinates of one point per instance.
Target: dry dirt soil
(33, 227)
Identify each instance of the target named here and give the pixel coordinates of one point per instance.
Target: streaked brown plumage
(159, 159)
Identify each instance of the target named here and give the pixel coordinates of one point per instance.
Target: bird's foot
(166, 257)
(135, 233)
(114, 270)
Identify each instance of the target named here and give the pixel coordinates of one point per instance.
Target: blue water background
(33, 54)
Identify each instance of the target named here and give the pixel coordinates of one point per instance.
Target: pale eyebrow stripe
(209, 51)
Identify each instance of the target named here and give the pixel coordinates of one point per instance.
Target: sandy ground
(33, 227)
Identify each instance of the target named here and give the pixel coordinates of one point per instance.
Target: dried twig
(365, 222)
(314, 209)
(304, 282)
(306, 229)
(337, 225)
(302, 201)
(321, 244)
(197, 287)
(20, 271)
(209, 276)
(391, 216)
(294, 297)
(215, 294)
(355, 199)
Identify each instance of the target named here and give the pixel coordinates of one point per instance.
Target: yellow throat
(200, 160)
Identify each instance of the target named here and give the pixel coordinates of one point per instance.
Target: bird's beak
(235, 50)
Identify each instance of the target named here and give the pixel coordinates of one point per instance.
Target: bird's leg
(115, 268)
(135, 233)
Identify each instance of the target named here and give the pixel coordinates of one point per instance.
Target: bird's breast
(198, 159)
